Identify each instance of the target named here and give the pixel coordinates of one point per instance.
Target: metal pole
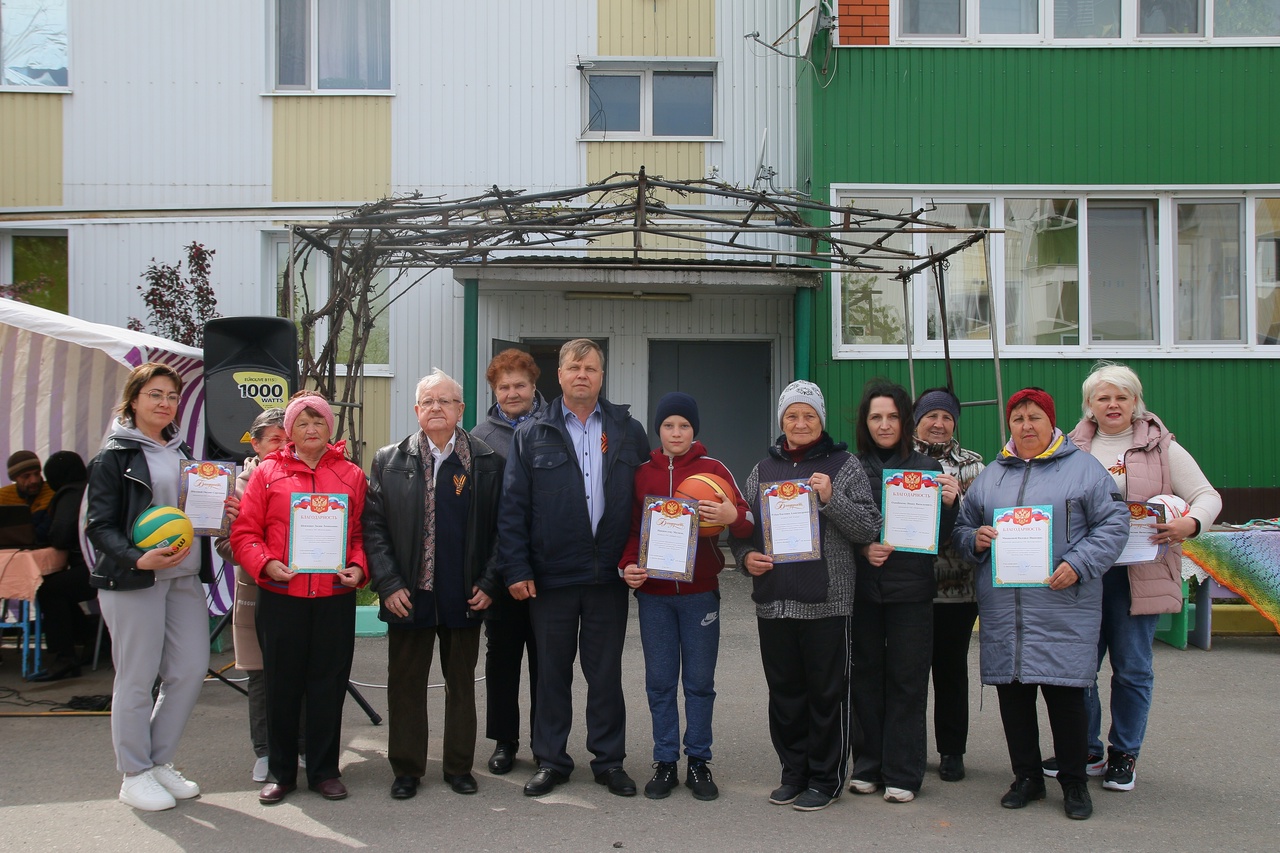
(996, 330)
(906, 302)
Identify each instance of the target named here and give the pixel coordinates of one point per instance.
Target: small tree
(35, 291)
(178, 307)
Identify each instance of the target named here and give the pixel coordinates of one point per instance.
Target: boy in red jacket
(679, 622)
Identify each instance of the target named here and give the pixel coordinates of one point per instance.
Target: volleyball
(1174, 506)
(706, 487)
(161, 527)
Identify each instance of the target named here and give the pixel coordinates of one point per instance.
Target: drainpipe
(803, 323)
(470, 344)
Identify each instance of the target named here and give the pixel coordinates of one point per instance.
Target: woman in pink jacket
(305, 621)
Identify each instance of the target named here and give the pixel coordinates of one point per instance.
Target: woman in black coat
(61, 593)
(891, 640)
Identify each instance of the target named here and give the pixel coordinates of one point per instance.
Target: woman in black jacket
(61, 593)
(891, 643)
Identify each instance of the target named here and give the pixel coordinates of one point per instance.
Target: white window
(311, 277)
(1083, 273)
(332, 45)
(33, 43)
(1035, 22)
(672, 100)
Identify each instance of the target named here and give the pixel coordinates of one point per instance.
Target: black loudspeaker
(250, 365)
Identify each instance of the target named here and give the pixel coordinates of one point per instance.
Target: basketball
(163, 526)
(706, 487)
(1174, 506)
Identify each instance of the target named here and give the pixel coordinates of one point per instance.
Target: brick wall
(864, 21)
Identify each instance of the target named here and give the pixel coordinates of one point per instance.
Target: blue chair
(28, 623)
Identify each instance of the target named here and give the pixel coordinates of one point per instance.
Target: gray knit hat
(802, 391)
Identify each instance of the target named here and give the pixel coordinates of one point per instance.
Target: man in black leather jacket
(429, 522)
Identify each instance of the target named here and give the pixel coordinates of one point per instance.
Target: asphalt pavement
(1208, 778)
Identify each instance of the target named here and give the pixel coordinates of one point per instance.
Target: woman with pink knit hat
(305, 621)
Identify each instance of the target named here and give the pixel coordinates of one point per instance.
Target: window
(933, 17)
(342, 45)
(1267, 263)
(33, 43)
(312, 286)
(649, 103)
(1009, 16)
(1170, 17)
(1234, 18)
(1086, 19)
(1042, 271)
(1209, 272)
(33, 268)
(1090, 272)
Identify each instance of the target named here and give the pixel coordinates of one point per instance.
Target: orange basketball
(706, 487)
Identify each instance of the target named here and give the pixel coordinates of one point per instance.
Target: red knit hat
(1039, 396)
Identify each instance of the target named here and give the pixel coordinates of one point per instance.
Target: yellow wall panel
(656, 27)
(331, 148)
(674, 161)
(30, 149)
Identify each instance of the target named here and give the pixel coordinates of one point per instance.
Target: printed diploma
(912, 510)
(790, 521)
(1022, 552)
(318, 532)
(668, 537)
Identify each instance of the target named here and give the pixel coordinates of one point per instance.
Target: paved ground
(1208, 778)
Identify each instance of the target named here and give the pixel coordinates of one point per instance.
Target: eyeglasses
(158, 397)
(442, 402)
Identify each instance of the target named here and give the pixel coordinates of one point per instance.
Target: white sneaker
(260, 769)
(898, 795)
(145, 793)
(862, 786)
(174, 782)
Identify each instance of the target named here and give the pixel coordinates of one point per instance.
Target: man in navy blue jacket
(565, 518)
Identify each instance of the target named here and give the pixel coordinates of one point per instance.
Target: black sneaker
(951, 768)
(665, 778)
(1095, 765)
(1075, 800)
(1120, 771)
(785, 795)
(812, 800)
(1023, 791)
(699, 780)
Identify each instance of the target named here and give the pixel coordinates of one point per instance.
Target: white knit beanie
(802, 391)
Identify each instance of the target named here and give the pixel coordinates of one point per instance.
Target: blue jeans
(1128, 639)
(681, 639)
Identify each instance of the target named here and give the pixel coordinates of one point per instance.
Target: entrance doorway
(732, 382)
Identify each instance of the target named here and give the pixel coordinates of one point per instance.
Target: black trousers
(806, 665)
(1068, 721)
(952, 633)
(590, 619)
(64, 622)
(508, 638)
(891, 650)
(307, 645)
(409, 653)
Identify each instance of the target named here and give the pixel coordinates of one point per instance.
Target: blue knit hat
(937, 399)
(676, 403)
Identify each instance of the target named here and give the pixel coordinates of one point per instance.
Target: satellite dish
(807, 27)
(764, 138)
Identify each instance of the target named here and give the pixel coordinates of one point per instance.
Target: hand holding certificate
(317, 532)
(912, 510)
(789, 522)
(668, 537)
(1022, 552)
(202, 494)
(1142, 546)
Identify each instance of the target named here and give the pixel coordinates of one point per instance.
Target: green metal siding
(1223, 411)
(926, 116)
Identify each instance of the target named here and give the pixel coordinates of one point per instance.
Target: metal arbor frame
(628, 220)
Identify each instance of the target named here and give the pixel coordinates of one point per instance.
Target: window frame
(971, 35)
(1165, 200)
(276, 243)
(646, 68)
(312, 87)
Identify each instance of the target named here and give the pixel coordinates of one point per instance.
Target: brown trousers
(408, 667)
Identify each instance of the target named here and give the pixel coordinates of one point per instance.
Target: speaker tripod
(352, 690)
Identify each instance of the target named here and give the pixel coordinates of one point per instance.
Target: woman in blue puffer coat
(1044, 638)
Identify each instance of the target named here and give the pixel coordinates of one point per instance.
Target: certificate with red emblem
(668, 537)
(318, 532)
(789, 521)
(203, 488)
(912, 509)
(1022, 552)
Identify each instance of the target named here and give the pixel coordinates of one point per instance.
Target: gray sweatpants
(160, 632)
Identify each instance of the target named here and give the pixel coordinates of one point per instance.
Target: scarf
(462, 449)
